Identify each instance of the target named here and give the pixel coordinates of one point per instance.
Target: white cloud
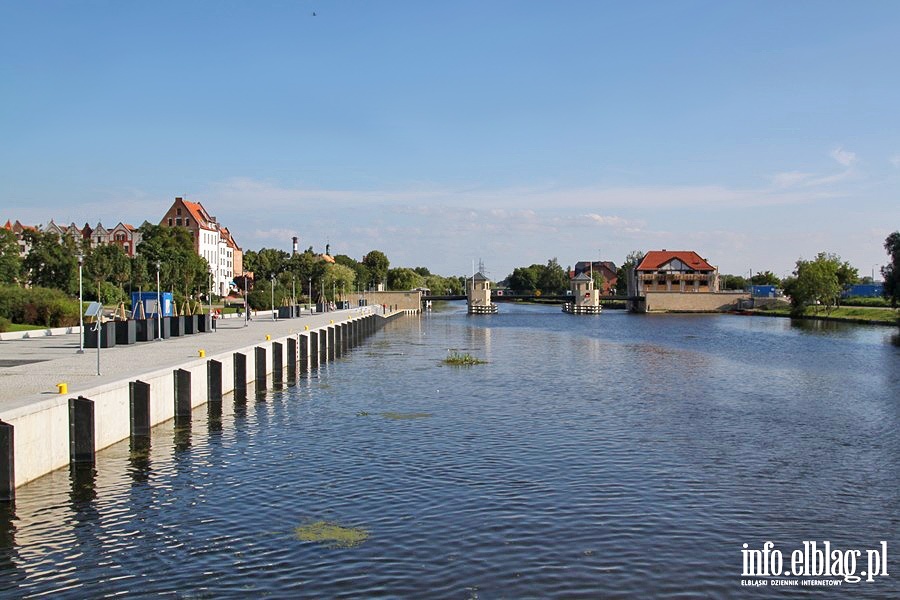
(843, 157)
(606, 220)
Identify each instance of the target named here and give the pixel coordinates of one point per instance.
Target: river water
(598, 456)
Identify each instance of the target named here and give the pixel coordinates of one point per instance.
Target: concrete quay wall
(689, 301)
(403, 301)
(48, 433)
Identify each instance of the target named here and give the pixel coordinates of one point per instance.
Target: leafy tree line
(310, 278)
(107, 271)
(546, 279)
(891, 271)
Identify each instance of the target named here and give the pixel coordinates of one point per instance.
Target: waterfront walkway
(31, 368)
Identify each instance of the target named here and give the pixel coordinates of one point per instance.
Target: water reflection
(591, 457)
(182, 435)
(139, 459)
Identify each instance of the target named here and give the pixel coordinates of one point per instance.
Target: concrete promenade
(145, 384)
(54, 359)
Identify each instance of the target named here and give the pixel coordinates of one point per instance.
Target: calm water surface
(611, 456)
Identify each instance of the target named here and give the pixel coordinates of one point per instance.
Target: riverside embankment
(42, 430)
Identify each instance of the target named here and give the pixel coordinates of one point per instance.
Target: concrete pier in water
(143, 385)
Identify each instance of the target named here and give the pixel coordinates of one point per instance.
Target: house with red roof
(212, 241)
(607, 268)
(19, 231)
(675, 271)
(678, 281)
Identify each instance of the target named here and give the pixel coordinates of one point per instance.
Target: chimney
(296, 244)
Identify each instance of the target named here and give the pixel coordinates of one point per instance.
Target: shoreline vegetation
(842, 314)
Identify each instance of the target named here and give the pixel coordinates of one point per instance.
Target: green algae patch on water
(398, 416)
(458, 359)
(331, 534)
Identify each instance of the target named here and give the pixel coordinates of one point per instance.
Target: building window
(178, 211)
(178, 221)
(170, 221)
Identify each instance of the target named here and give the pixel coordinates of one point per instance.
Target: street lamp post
(159, 314)
(309, 289)
(210, 299)
(293, 295)
(246, 304)
(274, 318)
(80, 304)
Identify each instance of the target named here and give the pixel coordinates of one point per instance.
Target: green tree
(766, 278)
(269, 261)
(523, 280)
(633, 259)
(140, 273)
(891, 271)
(817, 282)
(404, 279)
(599, 280)
(733, 282)
(307, 268)
(444, 285)
(10, 260)
(105, 263)
(52, 261)
(181, 269)
(552, 279)
(377, 264)
(338, 279)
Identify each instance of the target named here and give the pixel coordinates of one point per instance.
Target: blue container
(762, 291)
(149, 301)
(864, 290)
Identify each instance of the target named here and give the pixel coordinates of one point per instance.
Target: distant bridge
(506, 297)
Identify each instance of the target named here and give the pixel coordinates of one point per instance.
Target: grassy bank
(850, 314)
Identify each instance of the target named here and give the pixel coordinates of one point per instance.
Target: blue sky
(445, 132)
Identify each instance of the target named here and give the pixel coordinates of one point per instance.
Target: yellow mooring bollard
(331, 322)
(306, 328)
(268, 337)
(62, 388)
(202, 353)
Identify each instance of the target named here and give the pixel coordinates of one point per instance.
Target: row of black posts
(322, 345)
(131, 331)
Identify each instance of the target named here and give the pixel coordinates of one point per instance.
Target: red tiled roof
(657, 258)
(198, 212)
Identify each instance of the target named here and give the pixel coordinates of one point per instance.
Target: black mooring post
(260, 362)
(314, 347)
(139, 407)
(304, 348)
(240, 375)
(81, 431)
(182, 397)
(292, 359)
(7, 463)
(214, 381)
(277, 362)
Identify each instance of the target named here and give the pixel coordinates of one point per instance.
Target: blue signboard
(149, 301)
